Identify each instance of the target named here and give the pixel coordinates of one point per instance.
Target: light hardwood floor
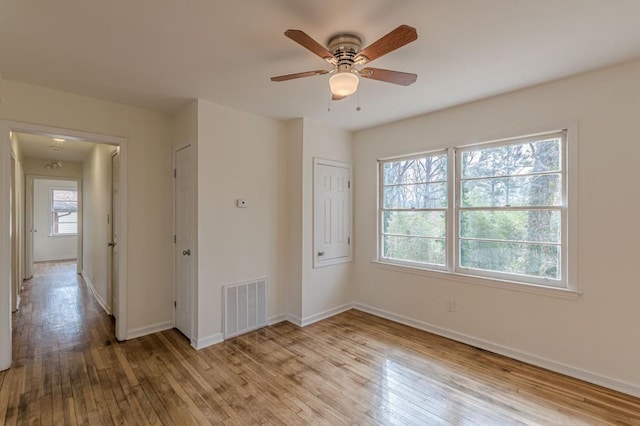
(353, 368)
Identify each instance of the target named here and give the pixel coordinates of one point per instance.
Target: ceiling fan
(344, 53)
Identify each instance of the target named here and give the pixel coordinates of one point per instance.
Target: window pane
(65, 206)
(515, 159)
(65, 223)
(425, 224)
(414, 249)
(67, 228)
(71, 217)
(514, 225)
(420, 196)
(416, 170)
(65, 195)
(534, 260)
(539, 190)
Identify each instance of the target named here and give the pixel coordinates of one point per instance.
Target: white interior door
(114, 258)
(332, 215)
(184, 247)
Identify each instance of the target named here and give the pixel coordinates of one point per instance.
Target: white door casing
(28, 252)
(114, 254)
(332, 213)
(184, 247)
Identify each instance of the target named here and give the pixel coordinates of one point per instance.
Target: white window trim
(51, 222)
(570, 237)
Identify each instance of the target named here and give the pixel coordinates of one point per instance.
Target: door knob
(111, 244)
(320, 253)
(186, 252)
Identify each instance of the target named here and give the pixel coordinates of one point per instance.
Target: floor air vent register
(245, 307)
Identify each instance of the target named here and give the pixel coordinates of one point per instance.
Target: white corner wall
(595, 337)
(96, 202)
(149, 214)
(240, 155)
(295, 143)
(326, 290)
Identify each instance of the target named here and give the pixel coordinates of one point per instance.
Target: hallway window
(64, 212)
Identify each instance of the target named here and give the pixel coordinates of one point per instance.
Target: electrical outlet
(450, 305)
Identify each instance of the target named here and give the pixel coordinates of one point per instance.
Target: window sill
(561, 293)
(62, 235)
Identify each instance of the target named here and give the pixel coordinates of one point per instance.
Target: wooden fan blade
(307, 42)
(337, 97)
(397, 38)
(395, 77)
(299, 75)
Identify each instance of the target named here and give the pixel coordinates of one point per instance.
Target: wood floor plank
(352, 368)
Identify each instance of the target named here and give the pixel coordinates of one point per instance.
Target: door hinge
(348, 240)
(349, 184)
(175, 172)
(174, 239)
(175, 304)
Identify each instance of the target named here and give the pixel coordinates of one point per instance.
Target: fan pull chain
(358, 101)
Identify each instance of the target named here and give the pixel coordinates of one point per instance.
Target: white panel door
(332, 215)
(184, 239)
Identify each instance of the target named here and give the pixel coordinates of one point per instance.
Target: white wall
(295, 143)
(37, 167)
(48, 247)
(17, 224)
(325, 289)
(96, 203)
(240, 155)
(596, 336)
(149, 213)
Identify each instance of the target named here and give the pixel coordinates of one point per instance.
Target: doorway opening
(101, 244)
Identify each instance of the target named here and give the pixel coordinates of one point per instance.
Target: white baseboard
(96, 294)
(567, 370)
(54, 259)
(277, 319)
(149, 329)
(324, 314)
(294, 319)
(207, 341)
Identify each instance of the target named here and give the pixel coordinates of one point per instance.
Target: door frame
(7, 126)
(194, 242)
(29, 211)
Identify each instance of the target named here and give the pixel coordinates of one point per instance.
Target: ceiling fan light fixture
(343, 83)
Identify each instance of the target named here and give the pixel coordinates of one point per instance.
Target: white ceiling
(41, 148)
(160, 53)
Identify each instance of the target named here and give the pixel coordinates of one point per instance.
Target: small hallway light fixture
(53, 165)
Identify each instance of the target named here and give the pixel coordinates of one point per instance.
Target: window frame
(567, 282)
(53, 212)
(382, 209)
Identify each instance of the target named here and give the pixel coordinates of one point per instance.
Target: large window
(64, 212)
(497, 210)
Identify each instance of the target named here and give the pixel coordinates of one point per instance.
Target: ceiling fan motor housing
(344, 47)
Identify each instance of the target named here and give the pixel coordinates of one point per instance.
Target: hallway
(58, 313)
